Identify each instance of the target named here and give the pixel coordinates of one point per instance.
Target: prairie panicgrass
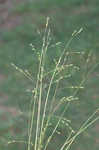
(46, 101)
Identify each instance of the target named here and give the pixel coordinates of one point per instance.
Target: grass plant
(46, 117)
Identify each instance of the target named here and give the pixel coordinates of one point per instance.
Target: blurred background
(20, 24)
